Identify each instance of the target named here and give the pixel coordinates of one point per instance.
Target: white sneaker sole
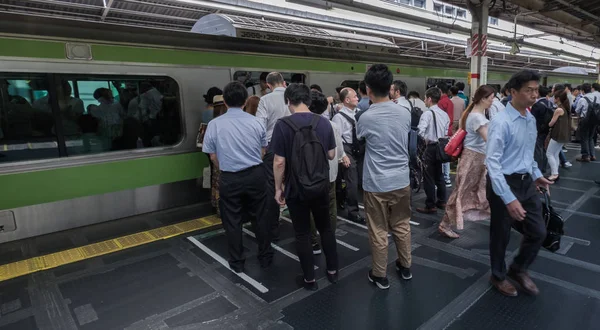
(379, 285)
(403, 277)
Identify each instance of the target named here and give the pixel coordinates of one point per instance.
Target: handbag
(554, 224)
(441, 155)
(455, 146)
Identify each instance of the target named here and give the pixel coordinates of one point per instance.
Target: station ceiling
(182, 15)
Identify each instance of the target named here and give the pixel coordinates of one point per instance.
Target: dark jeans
(540, 153)
(242, 198)
(587, 141)
(351, 176)
(434, 177)
(332, 214)
(533, 227)
(300, 213)
(271, 206)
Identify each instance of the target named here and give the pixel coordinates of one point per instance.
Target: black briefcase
(554, 225)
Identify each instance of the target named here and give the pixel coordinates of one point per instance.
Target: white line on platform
(223, 262)
(342, 243)
(362, 207)
(277, 247)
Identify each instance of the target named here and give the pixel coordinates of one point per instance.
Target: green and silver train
(60, 168)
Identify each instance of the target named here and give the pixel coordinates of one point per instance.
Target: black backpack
(592, 116)
(543, 125)
(358, 146)
(415, 115)
(309, 166)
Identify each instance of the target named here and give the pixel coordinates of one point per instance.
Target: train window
(252, 80)
(432, 82)
(120, 113)
(351, 83)
(26, 121)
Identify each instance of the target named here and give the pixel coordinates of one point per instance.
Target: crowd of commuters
(292, 146)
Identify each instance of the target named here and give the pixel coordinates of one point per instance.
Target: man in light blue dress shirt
(236, 142)
(513, 176)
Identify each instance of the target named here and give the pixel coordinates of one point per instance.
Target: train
(60, 168)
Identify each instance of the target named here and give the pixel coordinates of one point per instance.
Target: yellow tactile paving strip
(61, 258)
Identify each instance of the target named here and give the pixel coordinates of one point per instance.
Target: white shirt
(344, 124)
(271, 108)
(495, 108)
(403, 102)
(339, 153)
(426, 128)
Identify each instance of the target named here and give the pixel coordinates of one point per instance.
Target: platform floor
(180, 283)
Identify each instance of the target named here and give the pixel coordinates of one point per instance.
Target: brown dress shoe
(593, 159)
(504, 287)
(583, 159)
(427, 210)
(524, 281)
(440, 205)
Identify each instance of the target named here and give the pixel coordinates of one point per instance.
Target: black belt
(518, 176)
(244, 170)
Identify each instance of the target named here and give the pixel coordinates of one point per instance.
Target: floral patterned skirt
(468, 199)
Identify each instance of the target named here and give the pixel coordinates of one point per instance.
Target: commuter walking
(271, 108)
(468, 200)
(346, 121)
(236, 142)
(385, 128)
(513, 177)
(587, 127)
(433, 126)
(560, 132)
(303, 144)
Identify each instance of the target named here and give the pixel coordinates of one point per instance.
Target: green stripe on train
(31, 188)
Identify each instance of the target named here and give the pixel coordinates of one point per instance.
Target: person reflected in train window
(262, 88)
(346, 120)
(292, 190)
(251, 105)
(236, 142)
(131, 138)
(108, 112)
(271, 108)
(150, 105)
(207, 114)
(448, 107)
(169, 121)
(71, 108)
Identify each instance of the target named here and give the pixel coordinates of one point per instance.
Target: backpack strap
(315, 121)
(434, 124)
(288, 120)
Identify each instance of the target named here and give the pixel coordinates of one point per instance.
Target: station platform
(182, 281)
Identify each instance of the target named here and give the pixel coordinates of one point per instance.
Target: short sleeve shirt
(473, 140)
(283, 138)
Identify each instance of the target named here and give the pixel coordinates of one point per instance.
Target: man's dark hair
(521, 78)
(596, 87)
(586, 88)
(558, 88)
(263, 76)
(296, 94)
(275, 78)
(578, 88)
(434, 93)
(569, 86)
(400, 86)
(414, 94)
(339, 89)
(362, 87)
(460, 85)
(454, 90)
(379, 79)
(318, 102)
(443, 87)
(235, 94)
(317, 87)
(544, 91)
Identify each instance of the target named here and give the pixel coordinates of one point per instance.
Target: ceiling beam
(107, 6)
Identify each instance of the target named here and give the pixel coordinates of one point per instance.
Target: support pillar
(479, 61)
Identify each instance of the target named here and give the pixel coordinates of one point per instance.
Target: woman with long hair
(468, 200)
(560, 132)
(251, 105)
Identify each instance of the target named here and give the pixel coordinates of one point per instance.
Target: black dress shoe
(237, 268)
(309, 286)
(266, 262)
(333, 278)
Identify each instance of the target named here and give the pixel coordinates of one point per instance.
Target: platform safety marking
(277, 247)
(225, 264)
(342, 243)
(362, 207)
(53, 260)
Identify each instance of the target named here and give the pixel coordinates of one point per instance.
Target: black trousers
(351, 177)
(242, 199)
(300, 212)
(434, 177)
(271, 206)
(540, 153)
(533, 227)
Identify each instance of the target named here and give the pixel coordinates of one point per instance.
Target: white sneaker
(567, 164)
(448, 183)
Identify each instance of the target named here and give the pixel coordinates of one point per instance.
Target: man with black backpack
(345, 119)
(588, 109)
(303, 144)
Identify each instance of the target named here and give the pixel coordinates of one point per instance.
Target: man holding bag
(433, 125)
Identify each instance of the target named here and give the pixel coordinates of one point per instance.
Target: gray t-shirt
(385, 127)
(473, 141)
